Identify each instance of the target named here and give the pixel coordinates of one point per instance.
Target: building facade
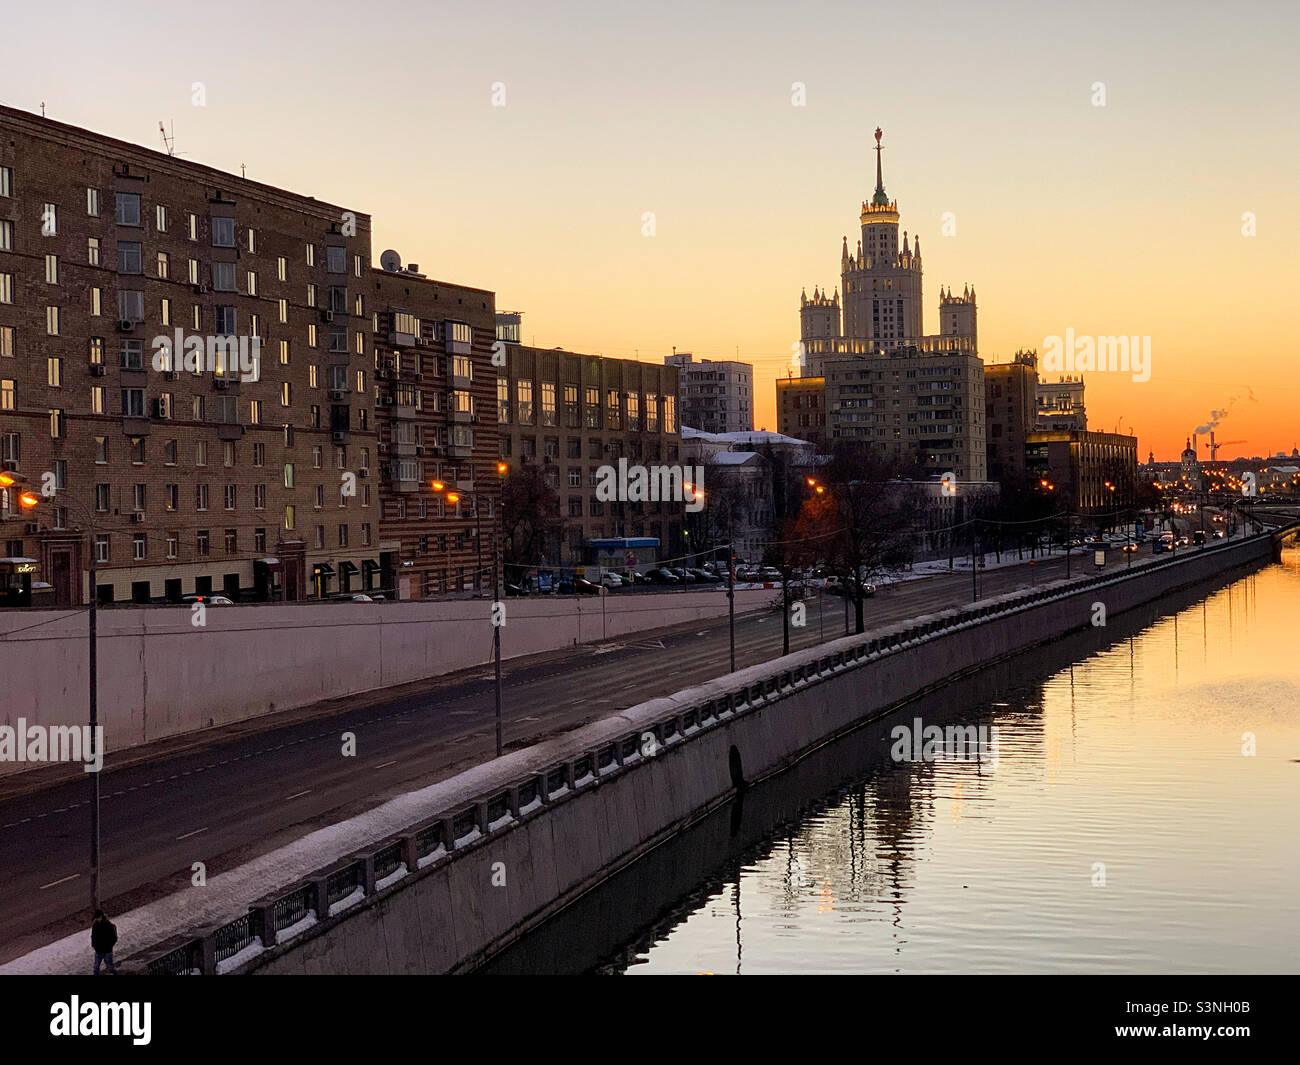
(801, 408)
(571, 414)
(186, 471)
(1060, 403)
(717, 395)
(436, 416)
(1087, 472)
(920, 412)
(1010, 397)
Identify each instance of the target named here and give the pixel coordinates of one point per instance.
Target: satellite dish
(391, 261)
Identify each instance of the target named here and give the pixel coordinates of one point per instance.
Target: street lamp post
(28, 500)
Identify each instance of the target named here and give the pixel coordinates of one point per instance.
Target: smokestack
(1194, 444)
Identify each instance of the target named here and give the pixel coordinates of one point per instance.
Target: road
(257, 786)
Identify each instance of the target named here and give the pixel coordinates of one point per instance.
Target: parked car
(705, 577)
(1198, 538)
(613, 581)
(685, 576)
(769, 573)
(208, 600)
(585, 587)
(359, 597)
(1130, 548)
(662, 575)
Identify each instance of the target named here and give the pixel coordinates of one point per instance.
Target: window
(336, 260)
(7, 394)
(6, 235)
(223, 277)
(92, 202)
(202, 542)
(97, 399)
(232, 541)
(165, 310)
(171, 496)
(101, 450)
(524, 397)
(286, 393)
(259, 497)
(288, 475)
(223, 232)
(138, 496)
(192, 227)
(226, 321)
(96, 302)
(128, 208)
(50, 220)
(173, 542)
(192, 271)
(259, 454)
(92, 251)
(288, 517)
(343, 536)
(101, 497)
(201, 452)
(137, 450)
(58, 424)
(281, 268)
(164, 265)
(52, 321)
(252, 283)
(6, 341)
(130, 306)
(54, 372)
(6, 181)
(133, 402)
(231, 496)
(131, 355)
(160, 218)
(169, 453)
(200, 497)
(128, 258)
(101, 547)
(311, 254)
(548, 403)
(51, 269)
(6, 288)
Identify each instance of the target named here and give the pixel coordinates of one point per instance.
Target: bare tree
(530, 517)
(861, 525)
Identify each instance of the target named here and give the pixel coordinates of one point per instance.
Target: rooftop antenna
(42, 109)
(169, 142)
(243, 171)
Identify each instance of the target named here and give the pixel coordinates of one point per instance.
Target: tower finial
(879, 199)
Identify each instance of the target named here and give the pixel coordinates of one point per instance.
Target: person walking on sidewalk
(103, 937)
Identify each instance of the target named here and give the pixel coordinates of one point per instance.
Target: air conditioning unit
(436, 449)
(137, 518)
(125, 325)
(327, 316)
(32, 528)
(160, 408)
(170, 375)
(337, 393)
(363, 472)
(339, 436)
(383, 449)
(98, 370)
(220, 383)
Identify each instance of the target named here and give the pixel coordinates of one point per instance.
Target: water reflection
(1125, 828)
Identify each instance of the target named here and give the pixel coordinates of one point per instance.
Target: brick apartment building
(1010, 390)
(573, 413)
(437, 419)
(801, 408)
(181, 482)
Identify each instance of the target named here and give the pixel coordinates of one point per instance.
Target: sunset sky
(1121, 219)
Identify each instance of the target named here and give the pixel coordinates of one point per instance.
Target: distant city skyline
(746, 131)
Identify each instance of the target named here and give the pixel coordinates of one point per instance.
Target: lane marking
(189, 834)
(299, 794)
(385, 765)
(55, 883)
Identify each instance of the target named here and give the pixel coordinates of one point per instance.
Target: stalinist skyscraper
(882, 298)
(915, 400)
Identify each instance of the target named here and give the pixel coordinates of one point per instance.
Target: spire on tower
(879, 199)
